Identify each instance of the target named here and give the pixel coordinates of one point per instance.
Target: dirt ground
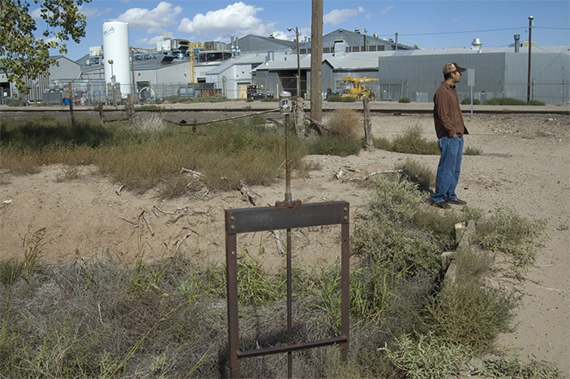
(525, 165)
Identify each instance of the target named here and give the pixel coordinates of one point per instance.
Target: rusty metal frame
(284, 216)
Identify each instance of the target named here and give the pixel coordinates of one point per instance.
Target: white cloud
(386, 10)
(153, 20)
(235, 19)
(151, 42)
(337, 16)
(89, 12)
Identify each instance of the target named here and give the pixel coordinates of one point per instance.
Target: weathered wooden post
(369, 140)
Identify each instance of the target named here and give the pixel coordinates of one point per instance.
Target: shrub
(344, 123)
(418, 173)
(404, 100)
(148, 153)
(507, 232)
(467, 310)
(426, 357)
(331, 145)
(398, 231)
(467, 101)
(412, 142)
(341, 99)
(472, 151)
(504, 101)
(468, 313)
(535, 102)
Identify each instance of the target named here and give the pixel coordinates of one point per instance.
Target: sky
(428, 24)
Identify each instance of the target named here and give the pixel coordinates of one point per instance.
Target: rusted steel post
(344, 286)
(232, 299)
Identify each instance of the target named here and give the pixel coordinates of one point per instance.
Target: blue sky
(429, 24)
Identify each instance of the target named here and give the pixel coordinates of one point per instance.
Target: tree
(21, 53)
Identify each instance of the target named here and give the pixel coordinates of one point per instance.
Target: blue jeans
(448, 169)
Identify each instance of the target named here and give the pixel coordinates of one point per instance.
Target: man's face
(456, 76)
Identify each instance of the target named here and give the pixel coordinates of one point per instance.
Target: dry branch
(129, 221)
(247, 193)
(278, 241)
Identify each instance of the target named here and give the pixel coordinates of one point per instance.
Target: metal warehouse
(416, 74)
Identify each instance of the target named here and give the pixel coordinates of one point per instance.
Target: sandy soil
(525, 165)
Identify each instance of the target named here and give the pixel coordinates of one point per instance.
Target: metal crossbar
(286, 215)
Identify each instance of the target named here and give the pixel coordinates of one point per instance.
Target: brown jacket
(447, 113)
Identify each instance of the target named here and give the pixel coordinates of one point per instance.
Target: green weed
(507, 232)
(426, 356)
(410, 142)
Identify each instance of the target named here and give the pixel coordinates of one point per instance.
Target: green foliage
(333, 145)
(256, 287)
(148, 154)
(341, 136)
(148, 107)
(426, 357)
(507, 232)
(535, 102)
(411, 142)
(341, 99)
(22, 54)
(513, 367)
(467, 311)
(467, 101)
(472, 151)
(400, 231)
(418, 173)
(371, 289)
(510, 101)
(344, 123)
(199, 99)
(43, 133)
(404, 100)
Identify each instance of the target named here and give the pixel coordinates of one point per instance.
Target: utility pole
(530, 18)
(317, 61)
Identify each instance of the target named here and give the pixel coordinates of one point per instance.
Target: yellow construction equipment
(357, 88)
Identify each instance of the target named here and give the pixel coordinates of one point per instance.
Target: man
(450, 129)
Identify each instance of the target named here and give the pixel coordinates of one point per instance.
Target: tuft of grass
(472, 315)
(256, 287)
(513, 367)
(404, 100)
(426, 356)
(472, 151)
(331, 145)
(418, 173)
(468, 311)
(467, 101)
(341, 137)
(341, 99)
(148, 154)
(410, 142)
(510, 101)
(509, 233)
(344, 123)
(68, 173)
(401, 231)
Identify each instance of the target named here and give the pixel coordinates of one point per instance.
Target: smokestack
(517, 42)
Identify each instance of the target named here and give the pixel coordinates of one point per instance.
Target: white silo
(116, 55)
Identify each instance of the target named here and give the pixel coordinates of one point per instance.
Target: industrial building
(179, 68)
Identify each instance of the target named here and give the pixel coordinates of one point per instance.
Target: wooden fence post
(369, 144)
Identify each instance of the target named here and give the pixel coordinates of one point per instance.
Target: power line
(456, 32)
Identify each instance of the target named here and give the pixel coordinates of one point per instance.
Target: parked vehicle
(359, 89)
